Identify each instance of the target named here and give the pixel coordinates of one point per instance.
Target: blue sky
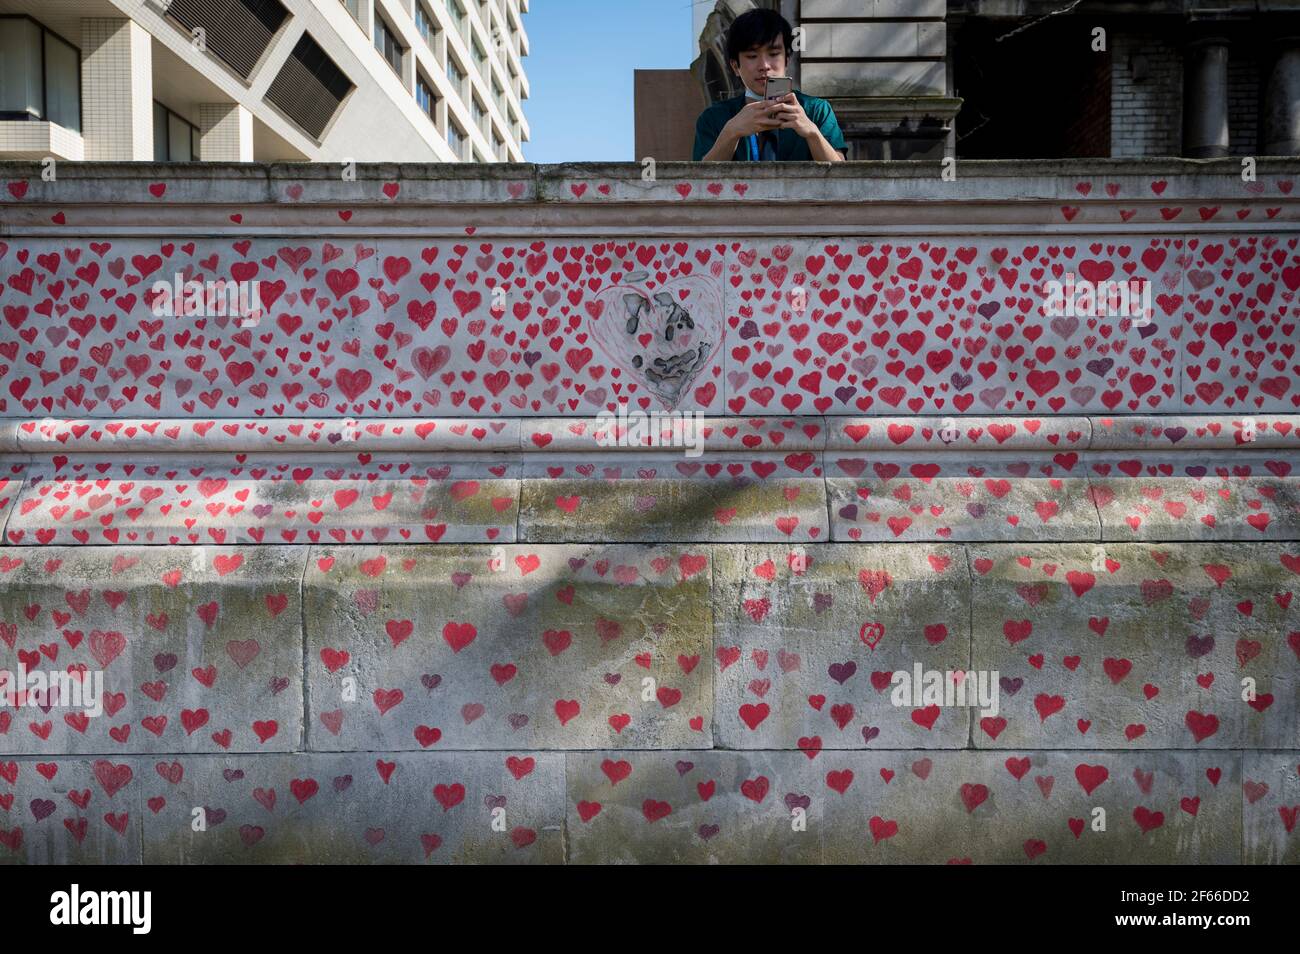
(581, 57)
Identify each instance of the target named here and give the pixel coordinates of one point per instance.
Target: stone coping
(1083, 195)
(592, 434)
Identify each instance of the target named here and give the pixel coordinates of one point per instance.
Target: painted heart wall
(371, 578)
(470, 328)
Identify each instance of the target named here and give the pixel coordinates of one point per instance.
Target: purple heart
(748, 330)
(961, 382)
(793, 801)
(869, 732)
(613, 678)
(1199, 645)
(1175, 434)
(576, 563)
(215, 816)
(1100, 366)
(822, 601)
(495, 801)
(232, 775)
(976, 510)
(989, 309)
(844, 392)
(1011, 686)
(278, 683)
(532, 357)
(342, 783)
(518, 720)
(842, 672)
(262, 511)
(42, 808)
(164, 661)
(431, 680)
(1197, 470)
(684, 767)
(708, 831)
(849, 511)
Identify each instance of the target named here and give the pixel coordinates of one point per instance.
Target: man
(794, 128)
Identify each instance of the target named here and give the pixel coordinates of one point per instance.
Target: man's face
(758, 63)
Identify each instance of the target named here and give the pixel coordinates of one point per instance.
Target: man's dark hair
(757, 27)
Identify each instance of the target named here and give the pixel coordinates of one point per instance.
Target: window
(174, 139)
(424, 22)
(500, 145)
(387, 45)
(310, 87)
(457, 77)
(480, 116)
(236, 31)
(426, 98)
(456, 139)
(353, 7)
(480, 57)
(457, 14)
(40, 74)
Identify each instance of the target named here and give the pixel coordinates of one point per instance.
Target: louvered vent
(236, 31)
(309, 87)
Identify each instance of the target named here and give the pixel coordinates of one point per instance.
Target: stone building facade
(1008, 79)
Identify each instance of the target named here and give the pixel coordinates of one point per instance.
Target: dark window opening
(387, 45)
(310, 87)
(40, 74)
(235, 31)
(175, 139)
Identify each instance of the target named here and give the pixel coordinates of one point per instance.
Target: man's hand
(754, 117)
(790, 115)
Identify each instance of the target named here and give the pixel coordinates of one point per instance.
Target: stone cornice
(1094, 196)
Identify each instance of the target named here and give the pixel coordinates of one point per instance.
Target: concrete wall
(367, 582)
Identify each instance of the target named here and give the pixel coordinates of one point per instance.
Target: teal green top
(790, 146)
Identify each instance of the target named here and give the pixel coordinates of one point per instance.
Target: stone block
(658, 498)
(199, 648)
(538, 647)
(1271, 807)
(974, 496)
(683, 807)
(1208, 495)
(874, 78)
(1032, 807)
(363, 808)
(1231, 288)
(280, 499)
(904, 807)
(1138, 646)
(887, 40)
(808, 639)
(876, 9)
(938, 326)
(69, 811)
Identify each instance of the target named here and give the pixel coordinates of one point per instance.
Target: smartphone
(778, 86)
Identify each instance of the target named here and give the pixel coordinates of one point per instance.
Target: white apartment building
(263, 80)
